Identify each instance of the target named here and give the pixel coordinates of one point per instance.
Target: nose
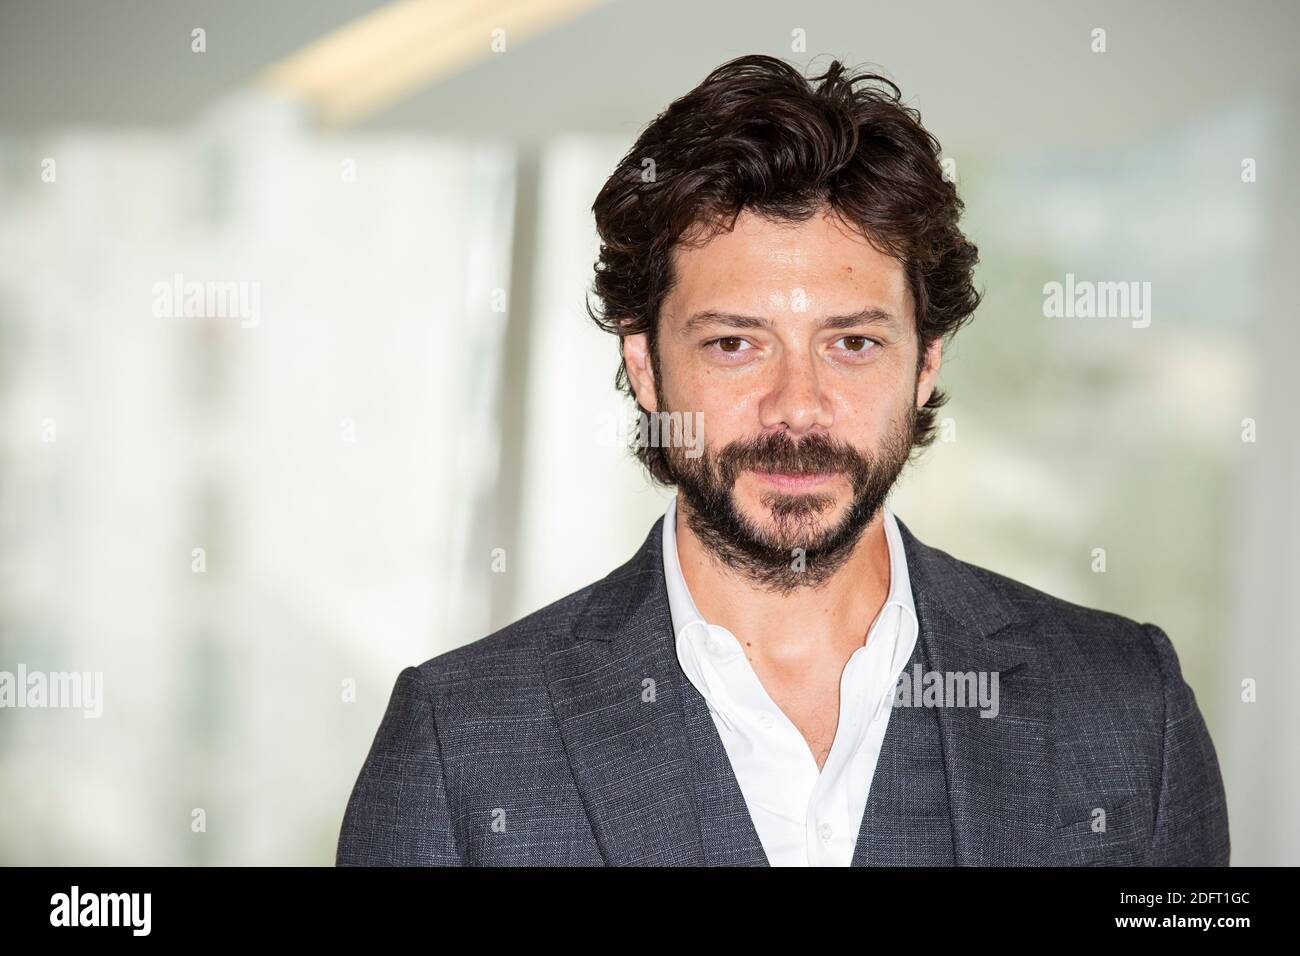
(795, 401)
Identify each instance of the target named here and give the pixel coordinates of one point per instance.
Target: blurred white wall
(327, 452)
(585, 505)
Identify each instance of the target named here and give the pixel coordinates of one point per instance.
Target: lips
(792, 481)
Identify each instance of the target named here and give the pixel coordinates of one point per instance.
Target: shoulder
(510, 663)
(1091, 631)
(1081, 641)
(600, 604)
(509, 654)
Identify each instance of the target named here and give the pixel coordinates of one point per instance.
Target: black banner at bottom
(337, 906)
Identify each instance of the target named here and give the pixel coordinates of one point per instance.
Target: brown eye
(731, 344)
(855, 343)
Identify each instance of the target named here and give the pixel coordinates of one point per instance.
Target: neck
(833, 616)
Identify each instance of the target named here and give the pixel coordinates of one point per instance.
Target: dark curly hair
(757, 135)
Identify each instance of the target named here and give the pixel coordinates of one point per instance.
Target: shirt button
(824, 831)
(765, 721)
(715, 646)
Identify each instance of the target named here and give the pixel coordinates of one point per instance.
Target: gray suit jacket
(573, 738)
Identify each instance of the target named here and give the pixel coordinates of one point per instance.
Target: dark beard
(771, 559)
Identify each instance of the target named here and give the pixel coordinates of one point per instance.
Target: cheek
(863, 409)
(868, 414)
(728, 412)
(726, 421)
(728, 402)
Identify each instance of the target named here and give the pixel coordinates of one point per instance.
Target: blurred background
(384, 426)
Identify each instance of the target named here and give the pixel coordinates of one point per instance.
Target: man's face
(797, 343)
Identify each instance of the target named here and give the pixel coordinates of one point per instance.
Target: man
(783, 674)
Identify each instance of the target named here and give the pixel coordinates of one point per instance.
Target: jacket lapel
(726, 826)
(1000, 770)
(617, 688)
(907, 820)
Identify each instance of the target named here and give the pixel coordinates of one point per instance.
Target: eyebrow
(870, 316)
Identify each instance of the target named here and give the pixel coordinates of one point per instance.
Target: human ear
(640, 370)
(929, 376)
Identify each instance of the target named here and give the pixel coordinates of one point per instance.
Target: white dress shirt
(804, 817)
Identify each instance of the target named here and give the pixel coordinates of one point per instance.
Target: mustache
(777, 452)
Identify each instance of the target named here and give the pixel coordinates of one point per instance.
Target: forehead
(769, 266)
